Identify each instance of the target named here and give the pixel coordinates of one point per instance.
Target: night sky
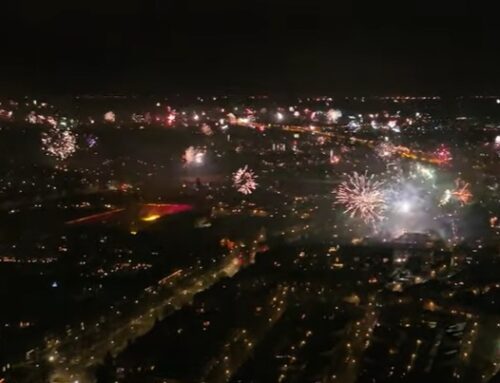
(286, 46)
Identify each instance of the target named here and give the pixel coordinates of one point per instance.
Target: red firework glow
(443, 154)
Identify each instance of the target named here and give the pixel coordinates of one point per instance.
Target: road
(73, 356)
(349, 353)
(241, 342)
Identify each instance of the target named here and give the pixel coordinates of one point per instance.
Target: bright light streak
(446, 197)
(334, 159)
(151, 218)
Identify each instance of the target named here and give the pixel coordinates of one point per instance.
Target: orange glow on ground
(148, 213)
(151, 218)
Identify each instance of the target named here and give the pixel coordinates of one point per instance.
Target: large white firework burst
(193, 156)
(244, 180)
(333, 115)
(362, 196)
(59, 143)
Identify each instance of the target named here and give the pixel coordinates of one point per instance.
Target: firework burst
(362, 196)
(321, 140)
(193, 156)
(385, 149)
(425, 172)
(110, 116)
(91, 140)
(59, 143)
(333, 115)
(244, 180)
(461, 192)
(443, 154)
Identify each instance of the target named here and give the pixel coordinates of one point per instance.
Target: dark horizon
(281, 47)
